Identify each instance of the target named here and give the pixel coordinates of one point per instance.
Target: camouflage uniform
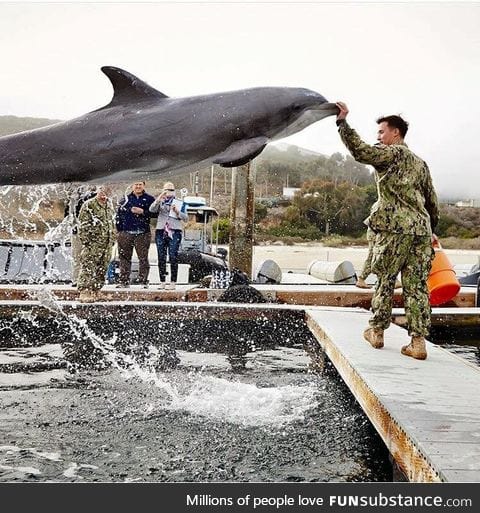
(96, 232)
(367, 265)
(403, 220)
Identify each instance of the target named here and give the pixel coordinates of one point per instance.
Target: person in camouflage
(367, 265)
(403, 220)
(96, 231)
(361, 282)
(72, 209)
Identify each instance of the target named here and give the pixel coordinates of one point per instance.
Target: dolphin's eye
(297, 107)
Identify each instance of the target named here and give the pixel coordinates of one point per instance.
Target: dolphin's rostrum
(142, 132)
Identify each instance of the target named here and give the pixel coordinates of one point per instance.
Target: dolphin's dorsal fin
(128, 88)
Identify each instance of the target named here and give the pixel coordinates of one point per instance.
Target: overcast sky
(421, 60)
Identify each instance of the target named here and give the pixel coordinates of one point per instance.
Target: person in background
(168, 234)
(403, 221)
(133, 231)
(361, 282)
(96, 231)
(367, 265)
(78, 198)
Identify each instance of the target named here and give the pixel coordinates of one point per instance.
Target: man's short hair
(395, 121)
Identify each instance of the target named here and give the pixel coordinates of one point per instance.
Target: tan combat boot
(362, 284)
(416, 348)
(374, 336)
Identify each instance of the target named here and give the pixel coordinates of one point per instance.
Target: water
(461, 342)
(131, 419)
(273, 421)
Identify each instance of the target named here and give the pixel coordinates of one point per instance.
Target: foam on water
(72, 470)
(52, 456)
(246, 404)
(22, 471)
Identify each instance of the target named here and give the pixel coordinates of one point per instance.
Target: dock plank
(290, 294)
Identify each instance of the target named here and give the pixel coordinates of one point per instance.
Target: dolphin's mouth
(330, 108)
(307, 118)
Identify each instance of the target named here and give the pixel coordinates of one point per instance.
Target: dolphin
(143, 132)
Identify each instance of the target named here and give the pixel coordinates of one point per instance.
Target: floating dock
(445, 317)
(308, 295)
(427, 412)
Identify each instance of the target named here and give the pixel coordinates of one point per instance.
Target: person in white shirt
(168, 234)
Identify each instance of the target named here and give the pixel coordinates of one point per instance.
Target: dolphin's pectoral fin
(128, 88)
(241, 152)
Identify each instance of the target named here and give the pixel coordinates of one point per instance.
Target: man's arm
(378, 156)
(147, 212)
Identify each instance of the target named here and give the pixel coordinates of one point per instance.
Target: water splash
(125, 363)
(30, 211)
(246, 404)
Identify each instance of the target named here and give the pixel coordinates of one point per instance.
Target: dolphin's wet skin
(143, 132)
(273, 422)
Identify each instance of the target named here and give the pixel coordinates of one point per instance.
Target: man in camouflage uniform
(403, 221)
(96, 231)
(72, 209)
(367, 265)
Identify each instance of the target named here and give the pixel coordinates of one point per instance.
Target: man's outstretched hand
(343, 111)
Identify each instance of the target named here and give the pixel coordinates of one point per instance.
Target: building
(289, 192)
(468, 203)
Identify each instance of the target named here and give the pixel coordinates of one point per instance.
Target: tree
(339, 208)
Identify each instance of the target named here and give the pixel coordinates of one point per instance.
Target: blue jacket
(126, 221)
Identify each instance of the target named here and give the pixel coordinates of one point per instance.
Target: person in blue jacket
(133, 231)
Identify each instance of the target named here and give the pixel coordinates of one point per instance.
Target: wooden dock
(308, 295)
(445, 317)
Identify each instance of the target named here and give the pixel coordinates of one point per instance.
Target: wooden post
(242, 212)
(211, 185)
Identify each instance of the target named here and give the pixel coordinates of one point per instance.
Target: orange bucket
(442, 281)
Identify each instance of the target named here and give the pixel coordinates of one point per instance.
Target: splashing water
(246, 404)
(126, 364)
(206, 396)
(31, 210)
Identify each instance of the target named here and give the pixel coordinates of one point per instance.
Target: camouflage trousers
(411, 255)
(94, 260)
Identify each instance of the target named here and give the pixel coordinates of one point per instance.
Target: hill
(14, 124)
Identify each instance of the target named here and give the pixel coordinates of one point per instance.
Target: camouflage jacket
(96, 223)
(407, 202)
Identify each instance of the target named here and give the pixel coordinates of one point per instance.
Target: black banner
(239, 497)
